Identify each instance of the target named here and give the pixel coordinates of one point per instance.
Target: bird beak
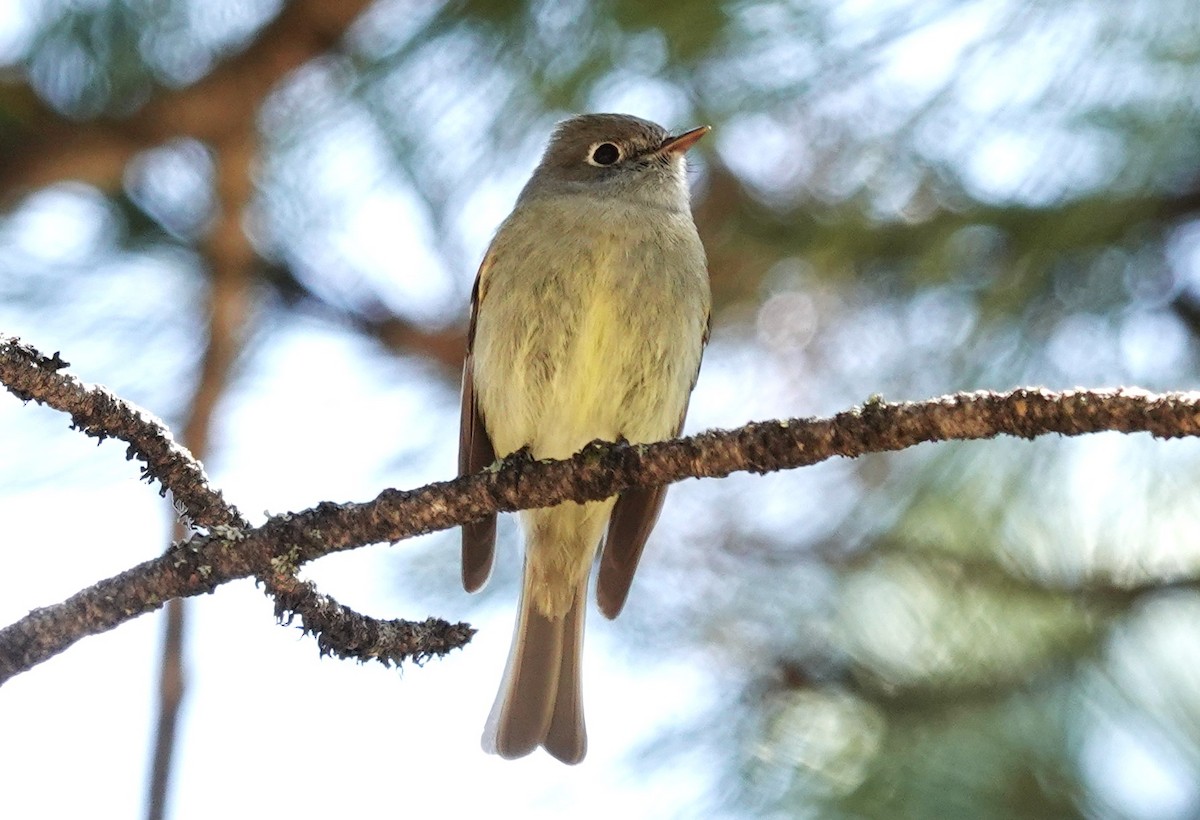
(677, 145)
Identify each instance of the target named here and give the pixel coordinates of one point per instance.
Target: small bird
(589, 316)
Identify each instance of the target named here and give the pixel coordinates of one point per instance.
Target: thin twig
(172, 684)
(231, 258)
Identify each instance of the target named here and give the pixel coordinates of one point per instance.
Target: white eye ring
(595, 148)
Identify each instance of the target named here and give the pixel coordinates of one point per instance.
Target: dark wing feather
(633, 517)
(475, 452)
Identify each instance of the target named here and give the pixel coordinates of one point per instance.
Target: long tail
(540, 702)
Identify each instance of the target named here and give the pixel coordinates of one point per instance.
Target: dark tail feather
(566, 738)
(539, 703)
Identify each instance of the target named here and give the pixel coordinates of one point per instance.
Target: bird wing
(475, 452)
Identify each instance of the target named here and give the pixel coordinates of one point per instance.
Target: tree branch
(231, 260)
(227, 100)
(32, 376)
(600, 470)
(344, 633)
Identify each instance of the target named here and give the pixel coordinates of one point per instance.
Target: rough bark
(276, 549)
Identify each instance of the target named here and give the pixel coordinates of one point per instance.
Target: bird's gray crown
(613, 155)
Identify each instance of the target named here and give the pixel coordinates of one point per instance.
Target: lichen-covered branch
(32, 376)
(346, 634)
(598, 471)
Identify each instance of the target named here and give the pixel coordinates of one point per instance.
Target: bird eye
(604, 154)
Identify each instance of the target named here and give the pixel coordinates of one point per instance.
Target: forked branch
(600, 470)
